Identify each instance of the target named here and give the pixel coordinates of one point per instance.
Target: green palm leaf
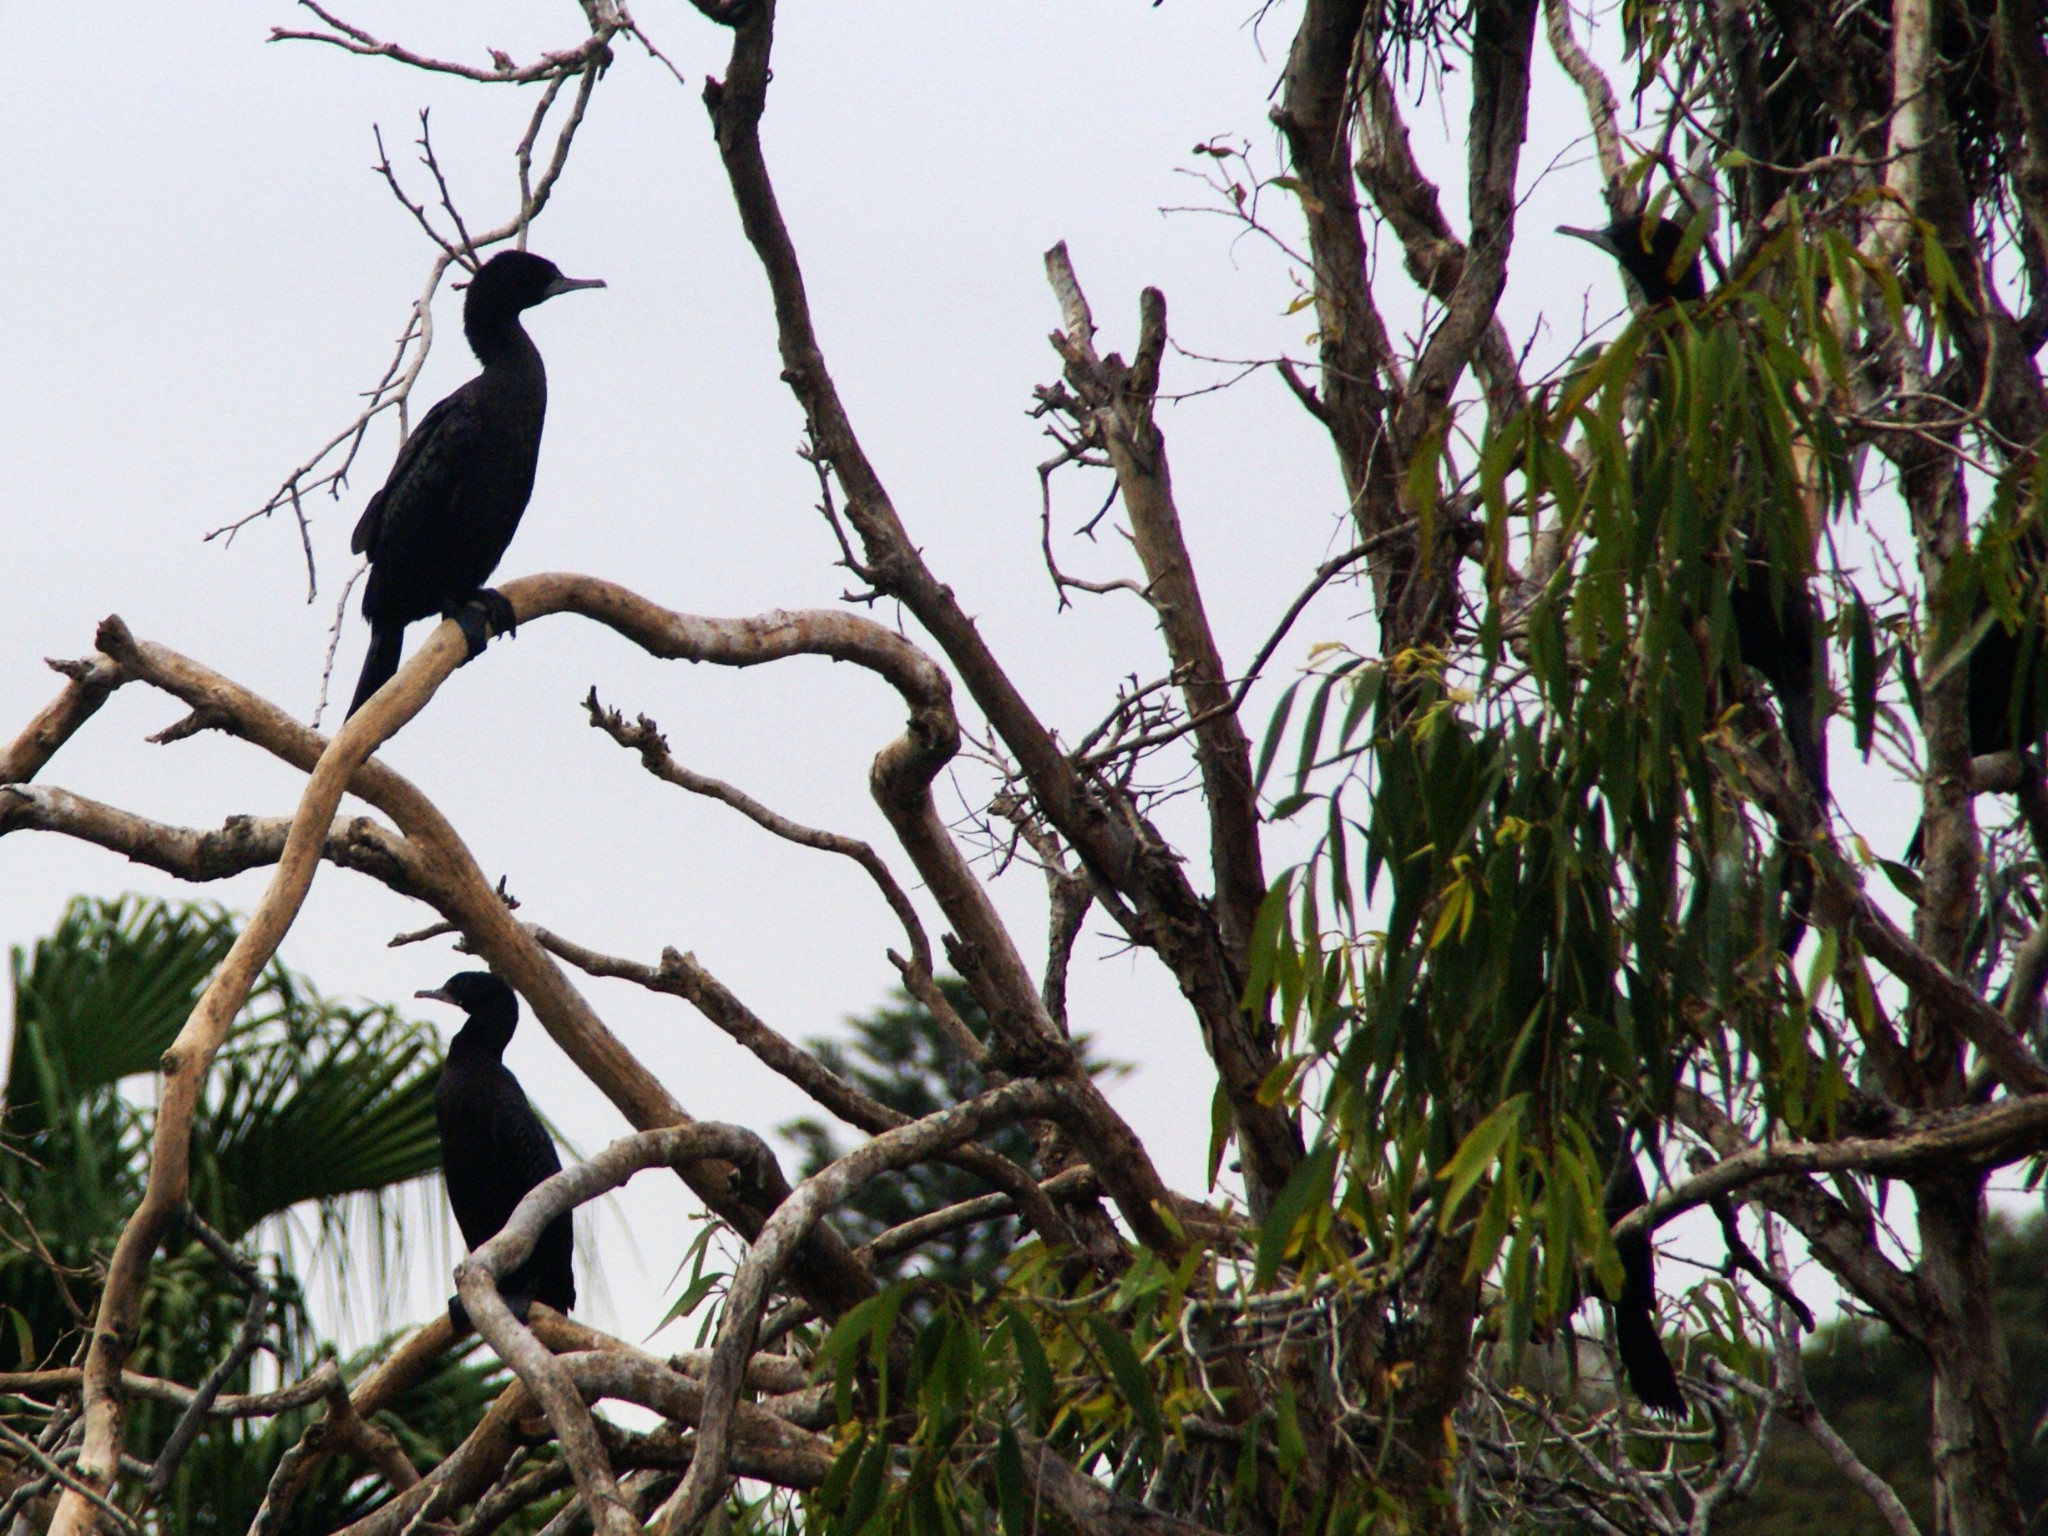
(355, 1112)
(103, 996)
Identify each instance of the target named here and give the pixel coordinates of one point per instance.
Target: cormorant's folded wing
(424, 477)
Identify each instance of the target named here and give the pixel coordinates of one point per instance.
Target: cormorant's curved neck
(485, 1034)
(498, 339)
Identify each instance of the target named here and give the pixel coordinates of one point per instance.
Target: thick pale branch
(483, 917)
(1601, 109)
(463, 895)
(1114, 413)
(1503, 38)
(902, 777)
(680, 975)
(1844, 1242)
(1434, 257)
(91, 682)
(476, 1281)
(764, 1447)
(1315, 114)
(1950, 1141)
(184, 1072)
(806, 1206)
(190, 853)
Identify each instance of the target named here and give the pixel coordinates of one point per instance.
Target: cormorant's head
(492, 1007)
(1648, 252)
(512, 281)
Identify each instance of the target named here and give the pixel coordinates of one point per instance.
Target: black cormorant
(1777, 635)
(2004, 662)
(455, 494)
(1648, 251)
(1636, 1338)
(493, 1146)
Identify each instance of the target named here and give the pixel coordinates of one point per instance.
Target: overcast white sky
(202, 272)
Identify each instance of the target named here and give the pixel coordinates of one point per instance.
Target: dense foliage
(1582, 931)
(318, 1114)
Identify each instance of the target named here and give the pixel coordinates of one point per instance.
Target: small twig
(640, 36)
(55, 1471)
(645, 737)
(523, 155)
(1074, 452)
(421, 935)
(1324, 573)
(58, 1271)
(394, 389)
(384, 168)
(334, 634)
(1740, 1256)
(550, 66)
(247, 1340)
(467, 253)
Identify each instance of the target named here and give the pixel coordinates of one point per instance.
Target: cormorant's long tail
(1636, 1339)
(1795, 690)
(386, 645)
(1781, 640)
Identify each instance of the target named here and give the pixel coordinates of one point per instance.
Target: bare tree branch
(680, 975)
(805, 1207)
(645, 737)
(549, 66)
(92, 682)
(1178, 923)
(476, 1281)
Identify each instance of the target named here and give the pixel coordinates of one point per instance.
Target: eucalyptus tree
(1565, 914)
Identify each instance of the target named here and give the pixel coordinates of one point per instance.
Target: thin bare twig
(549, 66)
(645, 738)
(247, 1340)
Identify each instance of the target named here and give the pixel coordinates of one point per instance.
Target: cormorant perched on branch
(1781, 638)
(493, 1146)
(2001, 663)
(1648, 251)
(455, 494)
(1636, 1338)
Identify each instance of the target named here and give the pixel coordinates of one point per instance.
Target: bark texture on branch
(1179, 924)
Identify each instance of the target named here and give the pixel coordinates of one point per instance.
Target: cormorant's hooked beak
(438, 995)
(1598, 237)
(570, 284)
